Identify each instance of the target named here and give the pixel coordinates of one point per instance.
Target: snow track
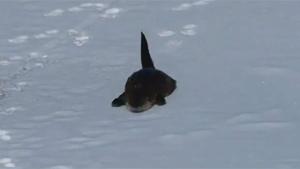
(236, 64)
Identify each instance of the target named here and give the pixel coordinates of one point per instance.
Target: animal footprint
(111, 13)
(182, 7)
(10, 110)
(53, 31)
(75, 9)
(2, 95)
(56, 12)
(202, 2)
(79, 38)
(40, 36)
(97, 5)
(7, 163)
(4, 62)
(4, 136)
(37, 55)
(189, 30)
(31, 61)
(46, 34)
(83, 6)
(19, 39)
(166, 33)
(190, 26)
(25, 38)
(186, 6)
(60, 167)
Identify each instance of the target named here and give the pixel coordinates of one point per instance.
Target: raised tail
(145, 54)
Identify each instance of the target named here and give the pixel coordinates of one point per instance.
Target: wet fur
(147, 86)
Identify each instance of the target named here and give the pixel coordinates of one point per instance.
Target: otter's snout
(136, 102)
(137, 109)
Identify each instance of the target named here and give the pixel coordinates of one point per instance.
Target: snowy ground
(236, 63)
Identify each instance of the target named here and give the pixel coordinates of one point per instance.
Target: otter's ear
(145, 54)
(160, 100)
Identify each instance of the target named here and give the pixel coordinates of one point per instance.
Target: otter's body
(147, 86)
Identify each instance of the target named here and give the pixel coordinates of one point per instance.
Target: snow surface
(236, 63)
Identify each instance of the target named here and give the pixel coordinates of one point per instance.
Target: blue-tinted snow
(236, 64)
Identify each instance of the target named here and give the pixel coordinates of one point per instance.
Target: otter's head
(139, 93)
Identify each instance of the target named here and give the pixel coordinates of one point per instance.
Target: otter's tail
(145, 54)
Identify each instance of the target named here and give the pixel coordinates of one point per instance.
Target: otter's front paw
(117, 102)
(160, 101)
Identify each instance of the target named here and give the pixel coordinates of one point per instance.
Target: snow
(236, 64)
(19, 39)
(56, 12)
(166, 33)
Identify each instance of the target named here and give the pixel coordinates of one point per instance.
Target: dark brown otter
(146, 87)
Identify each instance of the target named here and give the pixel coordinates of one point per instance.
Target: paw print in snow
(111, 13)
(7, 163)
(186, 6)
(189, 30)
(79, 38)
(19, 39)
(166, 33)
(56, 12)
(4, 136)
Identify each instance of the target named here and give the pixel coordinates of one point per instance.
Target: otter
(146, 87)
